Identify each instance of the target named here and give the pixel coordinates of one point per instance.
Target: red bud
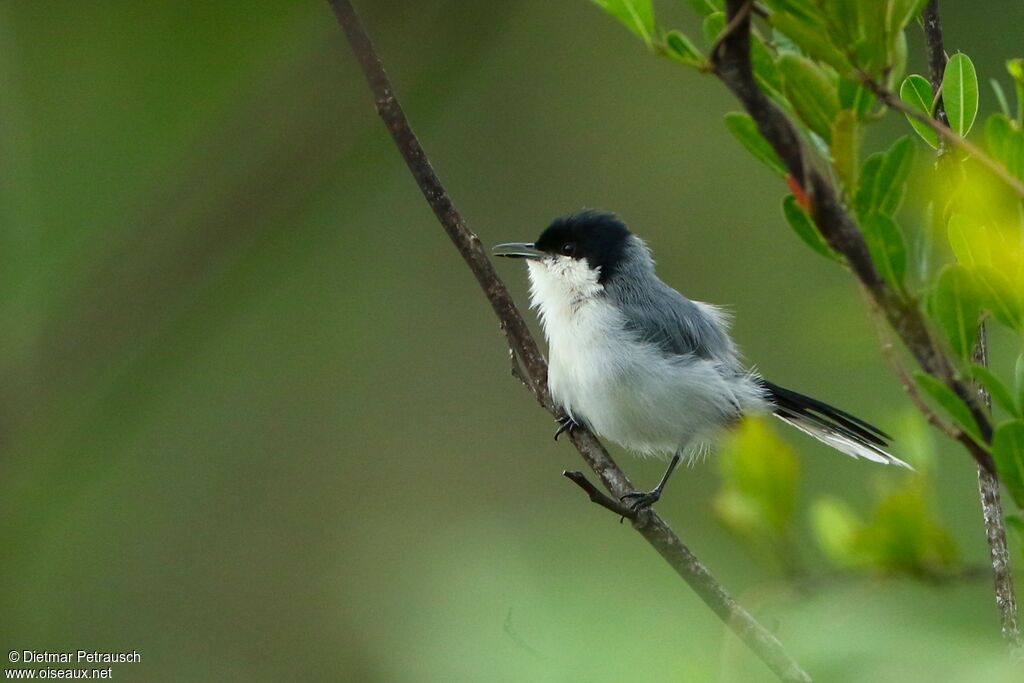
(798, 193)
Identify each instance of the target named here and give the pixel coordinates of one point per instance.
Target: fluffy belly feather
(629, 391)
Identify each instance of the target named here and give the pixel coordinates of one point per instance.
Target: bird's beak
(517, 250)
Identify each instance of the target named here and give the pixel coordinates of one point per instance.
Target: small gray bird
(637, 362)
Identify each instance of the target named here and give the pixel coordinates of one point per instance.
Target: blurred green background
(256, 419)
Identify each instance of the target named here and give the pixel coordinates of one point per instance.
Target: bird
(636, 362)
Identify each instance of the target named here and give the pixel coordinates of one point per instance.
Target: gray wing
(664, 317)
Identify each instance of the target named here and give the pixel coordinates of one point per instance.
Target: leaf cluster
(958, 253)
(757, 502)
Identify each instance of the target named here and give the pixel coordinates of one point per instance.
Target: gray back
(663, 316)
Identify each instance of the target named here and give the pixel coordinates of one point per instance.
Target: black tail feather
(837, 428)
(796, 405)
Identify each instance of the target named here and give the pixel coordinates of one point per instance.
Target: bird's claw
(641, 499)
(565, 424)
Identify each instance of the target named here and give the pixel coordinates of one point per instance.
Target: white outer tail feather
(843, 443)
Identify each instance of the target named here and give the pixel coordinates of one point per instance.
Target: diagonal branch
(731, 63)
(654, 530)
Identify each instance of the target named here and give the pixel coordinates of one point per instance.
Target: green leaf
(924, 245)
(1004, 104)
(805, 229)
(1016, 69)
(804, 10)
(783, 43)
(904, 535)
(844, 19)
(955, 308)
(917, 441)
(814, 98)
(836, 527)
(883, 179)
(903, 12)
(887, 246)
(680, 47)
(1005, 142)
(712, 26)
(968, 241)
(845, 143)
(916, 92)
(765, 70)
(759, 479)
(891, 182)
(811, 37)
(1018, 381)
(950, 402)
(897, 60)
(996, 389)
(1016, 523)
(998, 297)
(745, 130)
(864, 200)
(705, 7)
(636, 15)
(853, 95)
(960, 93)
(868, 53)
(1008, 452)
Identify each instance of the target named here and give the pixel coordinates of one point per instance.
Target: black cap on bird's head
(600, 237)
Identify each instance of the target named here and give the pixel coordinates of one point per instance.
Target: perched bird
(639, 363)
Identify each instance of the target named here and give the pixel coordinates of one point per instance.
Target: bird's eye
(569, 249)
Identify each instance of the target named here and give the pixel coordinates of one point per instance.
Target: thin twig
(598, 496)
(995, 529)
(910, 387)
(935, 50)
(995, 534)
(932, 26)
(908, 383)
(654, 530)
(742, 15)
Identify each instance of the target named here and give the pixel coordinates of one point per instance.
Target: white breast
(624, 389)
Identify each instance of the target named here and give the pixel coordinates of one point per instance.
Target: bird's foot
(565, 424)
(641, 500)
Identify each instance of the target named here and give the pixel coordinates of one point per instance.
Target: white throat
(560, 286)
